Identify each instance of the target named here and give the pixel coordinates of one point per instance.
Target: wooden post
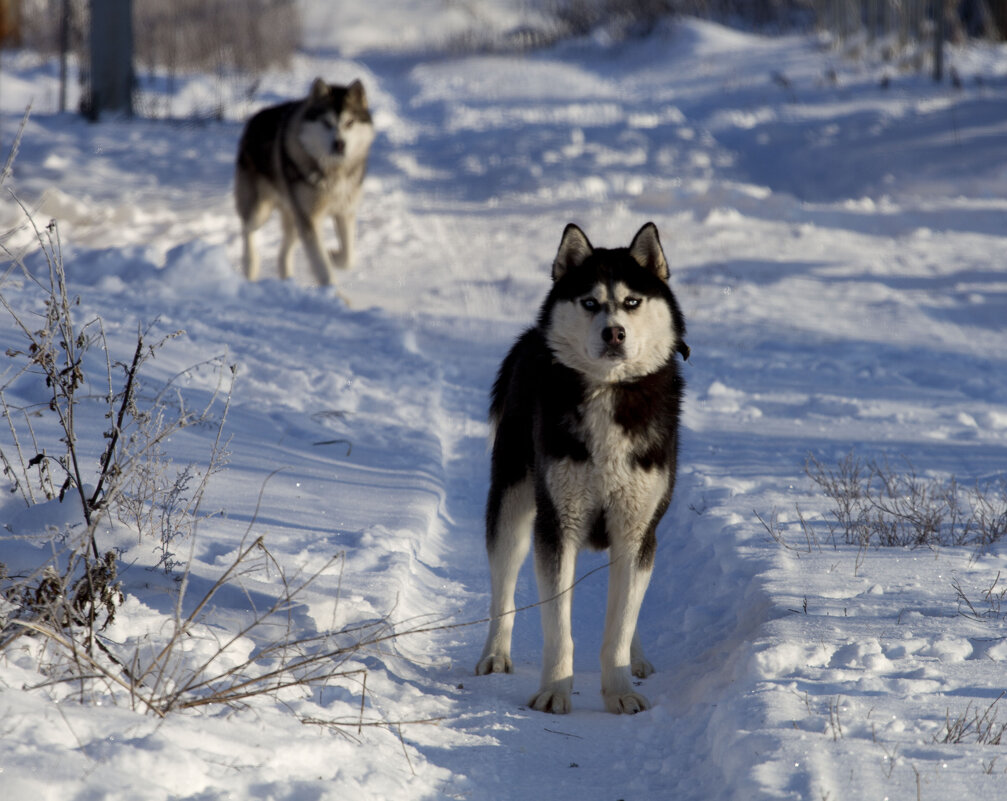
(10, 22)
(939, 33)
(111, 58)
(64, 50)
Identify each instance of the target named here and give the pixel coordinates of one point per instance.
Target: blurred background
(128, 56)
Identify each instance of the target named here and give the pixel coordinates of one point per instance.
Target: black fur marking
(649, 408)
(534, 398)
(548, 535)
(257, 149)
(598, 535)
(648, 548)
(558, 419)
(531, 401)
(513, 449)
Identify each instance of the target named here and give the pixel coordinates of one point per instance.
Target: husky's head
(611, 315)
(336, 125)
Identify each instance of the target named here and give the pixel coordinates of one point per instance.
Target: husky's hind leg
(508, 533)
(346, 225)
(255, 202)
(314, 249)
(638, 663)
(249, 254)
(621, 654)
(306, 216)
(286, 257)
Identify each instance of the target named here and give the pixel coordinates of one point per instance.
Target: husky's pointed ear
(646, 250)
(319, 89)
(573, 251)
(356, 95)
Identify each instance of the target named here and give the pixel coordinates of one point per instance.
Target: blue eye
(590, 304)
(631, 303)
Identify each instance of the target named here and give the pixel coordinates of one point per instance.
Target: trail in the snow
(702, 606)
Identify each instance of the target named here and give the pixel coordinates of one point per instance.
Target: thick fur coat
(585, 410)
(306, 158)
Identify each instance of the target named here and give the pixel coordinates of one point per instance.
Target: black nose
(614, 335)
(338, 147)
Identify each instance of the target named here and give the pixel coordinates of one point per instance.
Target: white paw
(551, 700)
(494, 663)
(626, 703)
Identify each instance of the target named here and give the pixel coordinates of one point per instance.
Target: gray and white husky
(308, 158)
(585, 410)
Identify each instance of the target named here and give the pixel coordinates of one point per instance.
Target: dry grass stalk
(875, 505)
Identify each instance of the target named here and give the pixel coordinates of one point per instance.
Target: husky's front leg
(307, 218)
(318, 257)
(346, 228)
(285, 264)
(508, 534)
(250, 253)
(628, 578)
(555, 564)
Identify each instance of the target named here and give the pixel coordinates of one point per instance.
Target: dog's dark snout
(338, 147)
(614, 335)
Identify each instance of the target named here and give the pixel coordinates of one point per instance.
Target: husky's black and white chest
(605, 456)
(629, 425)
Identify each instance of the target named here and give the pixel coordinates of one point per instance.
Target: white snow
(837, 250)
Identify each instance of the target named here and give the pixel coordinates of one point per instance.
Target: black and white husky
(585, 410)
(307, 158)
